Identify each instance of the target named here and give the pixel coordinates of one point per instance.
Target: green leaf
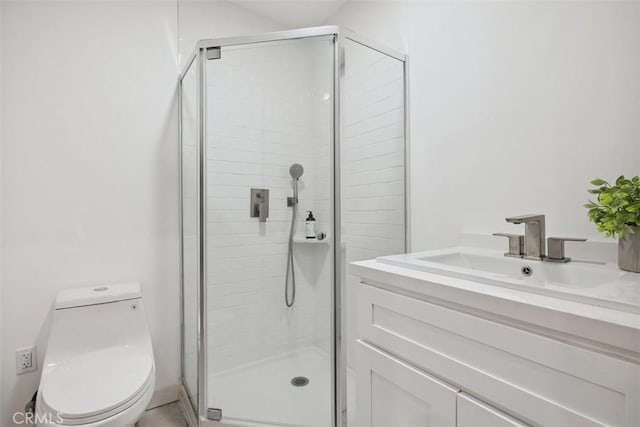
(617, 207)
(606, 199)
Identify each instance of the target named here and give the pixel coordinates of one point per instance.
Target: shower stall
(274, 126)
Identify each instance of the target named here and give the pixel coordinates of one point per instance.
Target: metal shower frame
(208, 49)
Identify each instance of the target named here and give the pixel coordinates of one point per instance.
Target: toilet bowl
(98, 369)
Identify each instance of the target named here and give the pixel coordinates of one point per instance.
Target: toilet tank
(80, 297)
(97, 318)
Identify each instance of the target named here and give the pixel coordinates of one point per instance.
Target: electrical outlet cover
(26, 360)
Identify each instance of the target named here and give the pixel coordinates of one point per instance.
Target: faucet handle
(556, 248)
(516, 244)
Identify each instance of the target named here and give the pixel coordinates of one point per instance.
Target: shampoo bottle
(310, 226)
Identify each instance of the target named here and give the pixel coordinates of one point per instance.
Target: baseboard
(164, 395)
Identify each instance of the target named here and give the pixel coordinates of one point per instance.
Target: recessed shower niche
(312, 120)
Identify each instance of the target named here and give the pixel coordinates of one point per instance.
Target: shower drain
(299, 381)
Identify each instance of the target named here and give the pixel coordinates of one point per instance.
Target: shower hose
(290, 300)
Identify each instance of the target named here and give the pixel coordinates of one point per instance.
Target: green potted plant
(617, 213)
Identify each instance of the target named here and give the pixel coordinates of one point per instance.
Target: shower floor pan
(261, 393)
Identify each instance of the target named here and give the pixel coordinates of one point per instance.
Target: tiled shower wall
(373, 166)
(266, 110)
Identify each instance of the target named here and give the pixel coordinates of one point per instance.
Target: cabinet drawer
(474, 413)
(541, 380)
(392, 393)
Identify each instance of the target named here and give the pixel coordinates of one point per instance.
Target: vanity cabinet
(474, 413)
(423, 362)
(396, 394)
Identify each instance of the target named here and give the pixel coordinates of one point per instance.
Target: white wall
(385, 22)
(205, 19)
(89, 168)
(515, 107)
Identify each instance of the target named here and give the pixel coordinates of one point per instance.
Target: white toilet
(98, 369)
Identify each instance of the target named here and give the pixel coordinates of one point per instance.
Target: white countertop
(618, 331)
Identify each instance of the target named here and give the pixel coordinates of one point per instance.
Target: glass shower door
(269, 106)
(189, 155)
(372, 178)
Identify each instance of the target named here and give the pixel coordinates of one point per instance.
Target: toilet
(98, 369)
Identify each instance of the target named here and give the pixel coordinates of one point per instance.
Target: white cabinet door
(544, 380)
(474, 413)
(392, 393)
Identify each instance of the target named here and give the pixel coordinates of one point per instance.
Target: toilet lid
(96, 382)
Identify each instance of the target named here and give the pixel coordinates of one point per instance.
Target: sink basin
(593, 283)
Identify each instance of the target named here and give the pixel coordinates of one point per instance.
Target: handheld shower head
(296, 170)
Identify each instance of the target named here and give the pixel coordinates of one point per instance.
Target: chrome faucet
(534, 235)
